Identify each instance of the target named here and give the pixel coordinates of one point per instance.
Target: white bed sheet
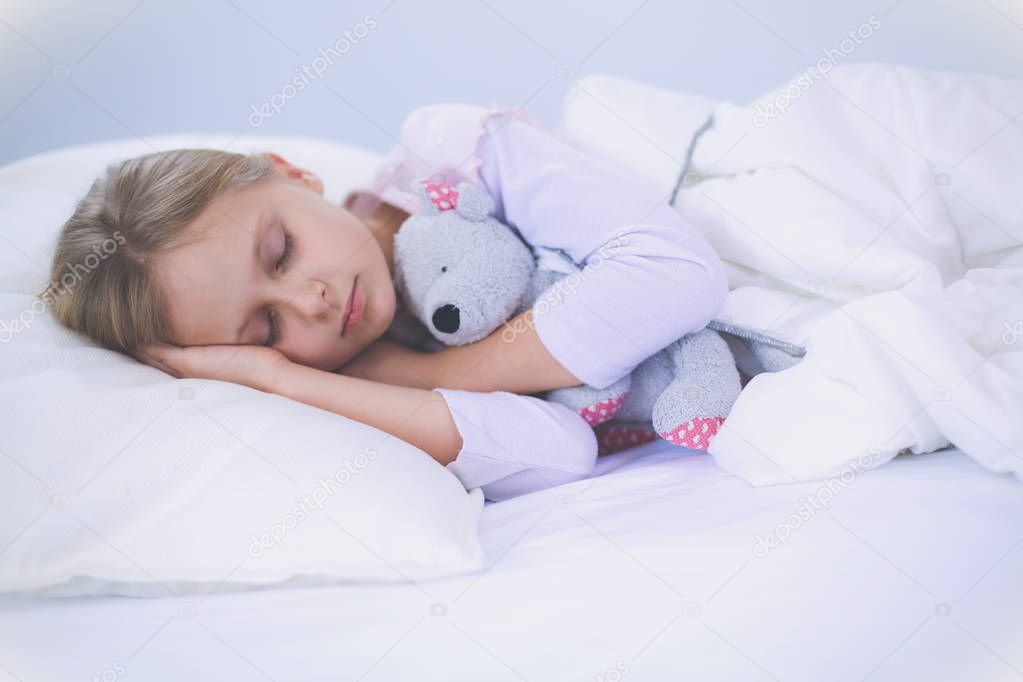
(647, 573)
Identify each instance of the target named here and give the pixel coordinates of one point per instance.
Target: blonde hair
(102, 281)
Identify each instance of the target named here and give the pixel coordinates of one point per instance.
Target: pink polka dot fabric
(443, 195)
(695, 433)
(598, 413)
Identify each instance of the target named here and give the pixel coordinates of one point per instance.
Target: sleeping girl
(235, 267)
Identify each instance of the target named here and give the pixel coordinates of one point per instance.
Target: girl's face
(275, 263)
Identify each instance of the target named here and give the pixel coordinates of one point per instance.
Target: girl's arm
(504, 443)
(513, 359)
(417, 416)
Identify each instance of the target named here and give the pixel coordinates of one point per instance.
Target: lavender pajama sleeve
(649, 277)
(514, 444)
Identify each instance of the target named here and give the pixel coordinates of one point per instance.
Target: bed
(656, 569)
(661, 566)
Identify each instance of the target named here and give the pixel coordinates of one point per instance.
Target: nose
(445, 318)
(311, 302)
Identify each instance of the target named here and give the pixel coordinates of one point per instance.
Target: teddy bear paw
(601, 411)
(695, 434)
(594, 405)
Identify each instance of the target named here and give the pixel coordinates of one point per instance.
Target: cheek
(353, 238)
(336, 249)
(310, 347)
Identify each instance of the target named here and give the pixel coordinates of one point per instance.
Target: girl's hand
(254, 366)
(389, 362)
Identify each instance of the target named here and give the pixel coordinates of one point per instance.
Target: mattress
(660, 567)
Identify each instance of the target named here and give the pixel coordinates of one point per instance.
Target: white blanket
(872, 214)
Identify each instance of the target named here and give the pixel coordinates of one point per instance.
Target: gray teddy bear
(462, 274)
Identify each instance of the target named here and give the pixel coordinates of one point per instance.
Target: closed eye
(271, 317)
(286, 252)
(271, 337)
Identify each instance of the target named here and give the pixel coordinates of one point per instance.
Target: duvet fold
(872, 216)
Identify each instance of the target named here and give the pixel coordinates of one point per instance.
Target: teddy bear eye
(443, 268)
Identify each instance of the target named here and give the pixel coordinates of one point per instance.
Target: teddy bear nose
(445, 318)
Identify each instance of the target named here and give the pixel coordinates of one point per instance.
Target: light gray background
(75, 72)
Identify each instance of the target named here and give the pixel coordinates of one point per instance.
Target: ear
(473, 202)
(293, 173)
(418, 188)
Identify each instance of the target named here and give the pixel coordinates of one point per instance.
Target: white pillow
(116, 478)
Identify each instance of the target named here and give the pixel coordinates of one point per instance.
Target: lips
(350, 308)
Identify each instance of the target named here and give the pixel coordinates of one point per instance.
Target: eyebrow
(258, 235)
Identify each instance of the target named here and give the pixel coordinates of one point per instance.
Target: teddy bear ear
(473, 202)
(418, 188)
